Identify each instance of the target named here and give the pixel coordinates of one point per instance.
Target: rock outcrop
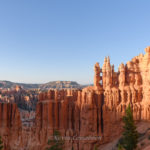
(96, 111)
(10, 126)
(74, 113)
(25, 99)
(87, 117)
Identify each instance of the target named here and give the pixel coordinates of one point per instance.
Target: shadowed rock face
(85, 115)
(10, 125)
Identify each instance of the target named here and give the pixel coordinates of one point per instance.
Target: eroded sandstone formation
(10, 126)
(98, 110)
(25, 99)
(87, 117)
(74, 113)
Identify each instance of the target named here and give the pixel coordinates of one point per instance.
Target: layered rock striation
(97, 111)
(87, 117)
(10, 126)
(76, 114)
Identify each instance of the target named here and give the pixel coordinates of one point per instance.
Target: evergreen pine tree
(130, 135)
(56, 143)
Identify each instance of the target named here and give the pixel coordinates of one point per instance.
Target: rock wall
(10, 126)
(77, 114)
(88, 117)
(98, 110)
(25, 99)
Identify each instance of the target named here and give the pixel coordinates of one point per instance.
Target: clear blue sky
(46, 40)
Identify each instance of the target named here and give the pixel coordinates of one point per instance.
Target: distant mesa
(45, 86)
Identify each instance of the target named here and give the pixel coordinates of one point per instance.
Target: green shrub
(120, 147)
(56, 143)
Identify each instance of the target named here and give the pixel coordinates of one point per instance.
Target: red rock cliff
(10, 125)
(74, 113)
(98, 110)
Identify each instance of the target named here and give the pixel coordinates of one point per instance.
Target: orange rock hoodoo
(10, 126)
(89, 116)
(97, 111)
(73, 113)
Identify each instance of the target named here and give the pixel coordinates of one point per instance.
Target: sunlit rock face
(74, 113)
(130, 85)
(98, 110)
(84, 117)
